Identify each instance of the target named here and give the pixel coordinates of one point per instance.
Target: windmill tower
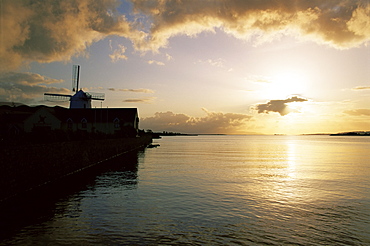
(80, 99)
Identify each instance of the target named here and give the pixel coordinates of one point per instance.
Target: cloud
(141, 90)
(258, 79)
(169, 57)
(24, 87)
(279, 106)
(212, 122)
(215, 63)
(218, 63)
(27, 79)
(49, 30)
(359, 88)
(140, 100)
(118, 54)
(358, 112)
(156, 62)
(91, 88)
(341, 23)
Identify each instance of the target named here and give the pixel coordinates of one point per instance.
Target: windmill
(80, 99)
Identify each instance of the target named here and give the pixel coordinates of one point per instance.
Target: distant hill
(11, 104)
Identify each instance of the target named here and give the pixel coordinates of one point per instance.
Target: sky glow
(235, 67)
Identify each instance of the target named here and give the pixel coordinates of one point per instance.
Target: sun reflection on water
(223, 190)
(291, 159)
(282, 188)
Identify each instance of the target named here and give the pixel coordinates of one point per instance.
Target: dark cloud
(279, 106)
(24, 87)
(339, 23)
(140, 100)
(27, 79)
(213, 122)
(49, 30)
(358, 112)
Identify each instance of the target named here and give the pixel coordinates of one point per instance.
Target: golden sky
(212, 66)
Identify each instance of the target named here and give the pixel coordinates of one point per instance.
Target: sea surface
(209, 190)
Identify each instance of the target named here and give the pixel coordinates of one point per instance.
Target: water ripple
(221, 190)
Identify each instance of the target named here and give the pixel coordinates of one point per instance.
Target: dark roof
(97, 114)
(20, 113)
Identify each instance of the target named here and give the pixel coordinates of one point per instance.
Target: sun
(287, 83)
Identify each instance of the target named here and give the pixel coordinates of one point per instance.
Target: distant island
(355, 133)
(165, 133)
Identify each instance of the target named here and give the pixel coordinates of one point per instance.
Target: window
(69, 124)
(116, 123)
(84, 123)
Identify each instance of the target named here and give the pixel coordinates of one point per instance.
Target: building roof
(21, 113)
(97, 114)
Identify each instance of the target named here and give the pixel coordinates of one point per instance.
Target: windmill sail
(80, 99)
(56, 97)
(75, 77)
(96, 96)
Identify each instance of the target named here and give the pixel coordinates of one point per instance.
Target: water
(212, 190)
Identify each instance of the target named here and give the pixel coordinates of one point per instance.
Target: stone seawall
(26, 167)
